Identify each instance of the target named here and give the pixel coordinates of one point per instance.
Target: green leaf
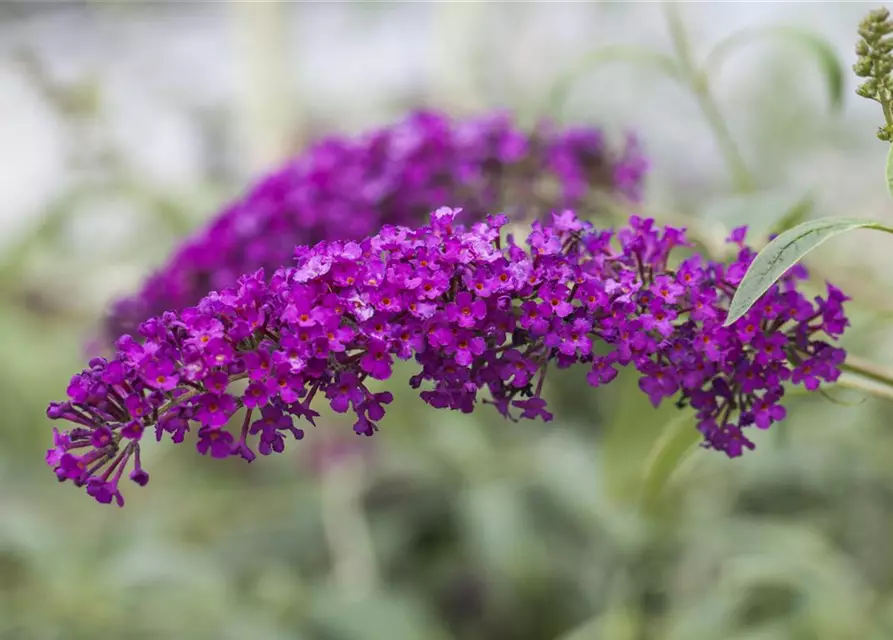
(889, 171)
(629, 435)
(600, 57)
(785, 251)
(676, 443)
(823, 51)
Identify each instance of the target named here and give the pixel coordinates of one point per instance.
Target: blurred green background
(123, 126)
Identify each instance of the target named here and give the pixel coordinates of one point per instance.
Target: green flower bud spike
(875, 63)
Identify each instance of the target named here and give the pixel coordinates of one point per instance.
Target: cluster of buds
(344, 188)
(483, 317)
(876, 64)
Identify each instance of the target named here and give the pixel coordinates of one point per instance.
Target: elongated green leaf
(785, 251)
(677, 442)
(823, 51)
(889, 171)
(595, 59)
(629, 434)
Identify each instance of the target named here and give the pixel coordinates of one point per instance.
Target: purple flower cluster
(344, 188)
(477, 313)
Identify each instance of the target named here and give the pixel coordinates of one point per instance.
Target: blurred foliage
(443, 526)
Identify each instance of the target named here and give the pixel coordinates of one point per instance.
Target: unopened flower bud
(862, 68)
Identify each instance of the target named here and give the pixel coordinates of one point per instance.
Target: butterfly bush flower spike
(347, 188)
(483, 317)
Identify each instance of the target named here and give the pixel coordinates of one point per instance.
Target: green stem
(167, 406)
(883, 391)
(886, 99)
(700, 87)
(866, 369)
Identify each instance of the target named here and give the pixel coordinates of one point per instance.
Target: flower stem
(698, 82)
(854, 382)
(178, 400)
(867, 369)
